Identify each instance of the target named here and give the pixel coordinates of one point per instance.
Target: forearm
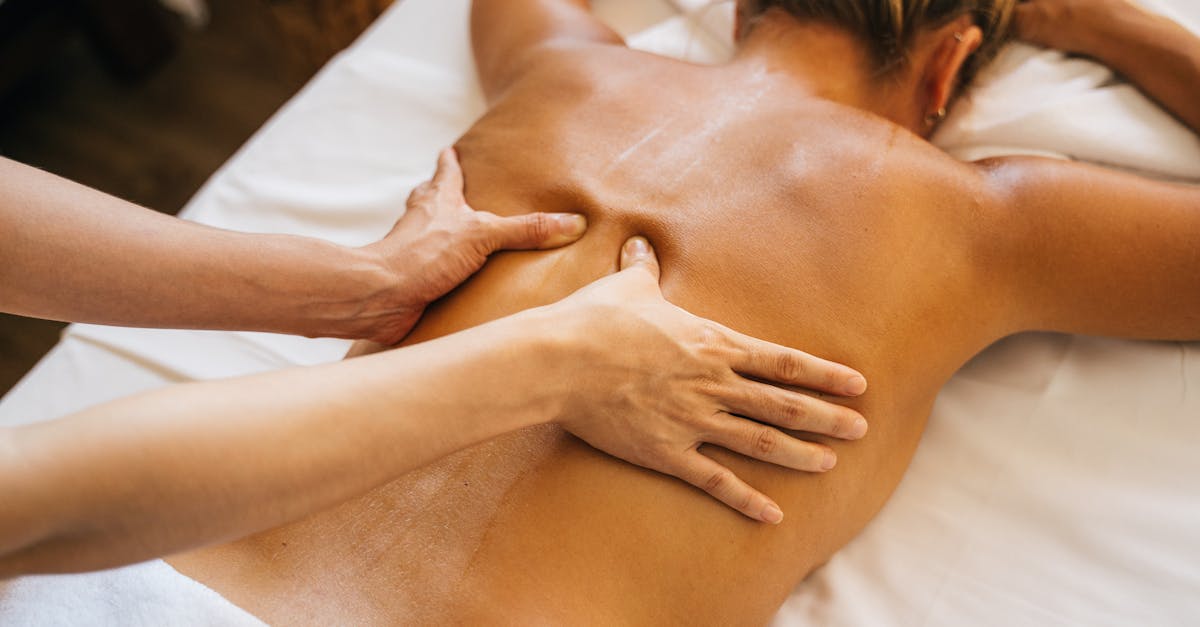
(1157, 54)
(1096, 252)
(202, 463)
(614, 364)
(75, 254)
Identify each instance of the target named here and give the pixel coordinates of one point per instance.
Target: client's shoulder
(865, 152)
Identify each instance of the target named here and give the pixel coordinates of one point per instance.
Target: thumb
(536, 231)
(449, 173)
(637, 253)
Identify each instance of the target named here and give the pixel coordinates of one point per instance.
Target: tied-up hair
(890, 26)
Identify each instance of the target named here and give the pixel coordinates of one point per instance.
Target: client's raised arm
(1086, 249)
(505, 32)
(1083, 249)
(1157, 54)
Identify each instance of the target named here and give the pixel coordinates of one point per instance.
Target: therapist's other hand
(654, 383)
(441, 241)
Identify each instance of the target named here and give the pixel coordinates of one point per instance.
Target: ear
(953, 44)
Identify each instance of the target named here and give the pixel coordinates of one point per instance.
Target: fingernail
(772, 514)
(637, 247)
(856, 385)
(571, 227)
(859, 429)
(829, 462)
(572, 224)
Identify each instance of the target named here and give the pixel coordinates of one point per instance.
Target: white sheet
(1055, 483)
(142, 595)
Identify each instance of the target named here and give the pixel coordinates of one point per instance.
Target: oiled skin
(807, 223)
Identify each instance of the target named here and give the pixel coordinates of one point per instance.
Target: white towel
(1036, 101)
(144, 595)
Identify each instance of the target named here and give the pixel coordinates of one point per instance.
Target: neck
(832, 63)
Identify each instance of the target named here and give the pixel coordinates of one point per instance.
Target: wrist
(504, 375)
(347, 293)
(380, 308)
(545, 348)
(1114, 29)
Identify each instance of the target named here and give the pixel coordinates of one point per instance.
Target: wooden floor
(154, 142)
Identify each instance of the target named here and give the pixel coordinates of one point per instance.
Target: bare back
(782, 216)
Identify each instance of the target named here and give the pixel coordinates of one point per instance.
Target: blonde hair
(890, 26)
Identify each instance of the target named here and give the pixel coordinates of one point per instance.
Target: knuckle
(709, 344)
(660, 445)
(477, 225)
(817, 456)
(710, 335)
(420, 194)
(711, 384)
(766, 442)
(473, 232)
(839, 426)
(744, 501)
(831, 378)
(538, 226)
(717, 481)
(850, 417)
(794, 413)
(790, 368)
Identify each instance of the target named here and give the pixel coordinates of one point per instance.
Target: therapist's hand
(441, 241)
(651, 383)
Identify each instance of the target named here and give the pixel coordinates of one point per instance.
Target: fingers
(790, 410)
(534, 231)
(779, 364)
(770, 445)
(449, 174)
(720, 483)
(637, 253)
(431, 195)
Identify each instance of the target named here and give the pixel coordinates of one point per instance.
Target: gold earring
(932, 119)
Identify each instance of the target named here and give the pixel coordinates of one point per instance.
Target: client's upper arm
(1099, 252)
(505, 32)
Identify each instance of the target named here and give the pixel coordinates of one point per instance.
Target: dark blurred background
(146, 103)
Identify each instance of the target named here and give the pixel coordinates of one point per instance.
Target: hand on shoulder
(441, 241)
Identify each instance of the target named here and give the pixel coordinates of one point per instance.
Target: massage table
(1057, 481)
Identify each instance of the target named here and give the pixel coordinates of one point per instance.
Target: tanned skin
(790, 195)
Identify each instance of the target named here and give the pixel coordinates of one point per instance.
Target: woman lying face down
(790, 195)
